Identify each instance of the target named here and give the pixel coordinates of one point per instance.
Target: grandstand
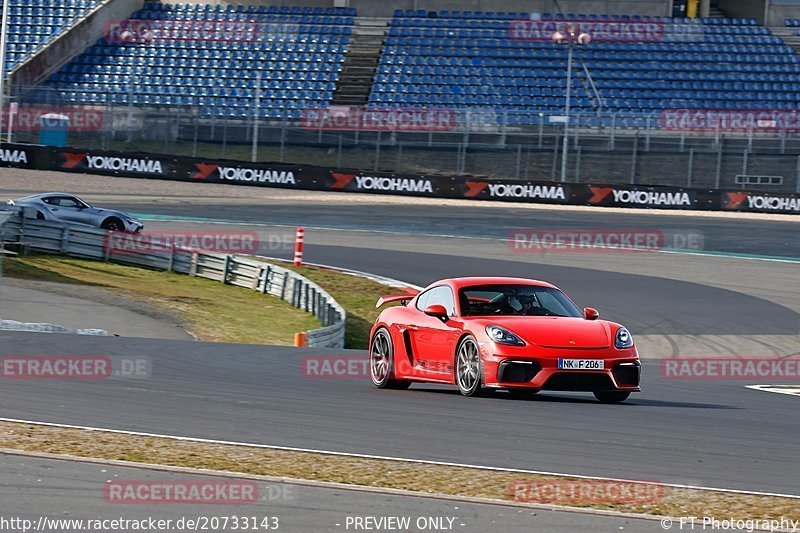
(297, 52)
(207, 88)
(463, 59)
(449, 58)
(34, 23)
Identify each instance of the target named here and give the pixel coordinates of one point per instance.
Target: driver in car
(529, 306)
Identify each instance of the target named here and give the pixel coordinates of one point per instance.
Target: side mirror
(437, 311)
(590, 314)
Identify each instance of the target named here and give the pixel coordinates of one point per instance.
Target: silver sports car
(62, 207)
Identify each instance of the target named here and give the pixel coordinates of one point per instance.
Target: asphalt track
(67, 490)
(747, 236)
(711, 433)
(715, 434)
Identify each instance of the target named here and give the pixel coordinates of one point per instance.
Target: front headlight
(623, 339)
(503, 336)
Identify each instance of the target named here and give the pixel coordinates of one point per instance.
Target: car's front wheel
(611, 396)
(113, 224)
(381, 362)
(469, 368)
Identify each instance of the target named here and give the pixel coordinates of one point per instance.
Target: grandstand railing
(604, 146)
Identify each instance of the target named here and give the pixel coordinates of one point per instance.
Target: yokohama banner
(143, 165)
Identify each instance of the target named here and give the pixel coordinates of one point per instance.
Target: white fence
(90, 243)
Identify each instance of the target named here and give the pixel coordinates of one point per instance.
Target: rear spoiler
(396, 298)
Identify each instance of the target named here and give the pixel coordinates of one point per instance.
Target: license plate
(581, 364)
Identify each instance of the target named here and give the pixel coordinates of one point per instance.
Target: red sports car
(501, 333)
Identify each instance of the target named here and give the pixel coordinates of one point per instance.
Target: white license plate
(581, 364)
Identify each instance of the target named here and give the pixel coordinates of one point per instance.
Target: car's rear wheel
(381, 362)
(469, 368)
(113, 224)
(611, 396)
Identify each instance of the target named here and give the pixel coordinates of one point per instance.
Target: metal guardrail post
(171, 263)
(226, 269)
(296, 292)
(193, 267)
(64, 239)
(267, 276)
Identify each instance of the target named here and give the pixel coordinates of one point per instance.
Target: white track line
(396, 459)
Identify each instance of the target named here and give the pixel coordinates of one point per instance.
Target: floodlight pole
(3, 43)
(566, 115)
(256, 115)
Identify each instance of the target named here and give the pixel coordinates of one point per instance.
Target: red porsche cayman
(501, 333)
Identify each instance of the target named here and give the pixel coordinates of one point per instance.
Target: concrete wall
(374, 8)
(72, 43)
(780, 10)
(630, 7)
(748, 9)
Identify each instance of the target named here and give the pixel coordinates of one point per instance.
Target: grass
(211, 311)
(422, 478)
(214, 311)
(357, 295)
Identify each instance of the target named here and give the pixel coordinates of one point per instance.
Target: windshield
(515, 300)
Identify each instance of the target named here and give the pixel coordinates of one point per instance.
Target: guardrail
(90, 243)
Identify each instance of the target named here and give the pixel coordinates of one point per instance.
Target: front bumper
(622, 372)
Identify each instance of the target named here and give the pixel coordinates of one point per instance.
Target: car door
(52, 203)
(66, 208)
(433, 340)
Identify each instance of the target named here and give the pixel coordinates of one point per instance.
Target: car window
(422, 299)
(66, 201)
(510, 300)
(438, 296)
